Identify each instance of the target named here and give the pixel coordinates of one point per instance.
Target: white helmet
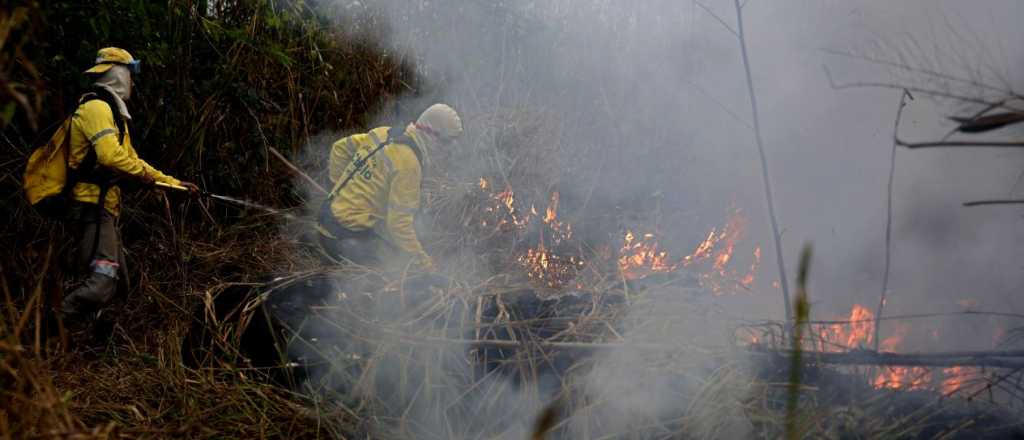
(440, 121)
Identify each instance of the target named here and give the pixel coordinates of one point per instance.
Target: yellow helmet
(109, 56)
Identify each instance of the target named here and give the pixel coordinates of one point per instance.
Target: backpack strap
(395, 135)
(88, 171)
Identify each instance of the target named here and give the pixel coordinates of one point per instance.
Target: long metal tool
(231, 200)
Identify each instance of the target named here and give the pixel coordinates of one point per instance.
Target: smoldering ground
(639, 115)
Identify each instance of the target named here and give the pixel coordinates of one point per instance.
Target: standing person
(97, 153)
(376, 176)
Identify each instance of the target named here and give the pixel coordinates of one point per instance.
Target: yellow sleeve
(96, 122)
(159, 176)
(403, 203)
(341, 155)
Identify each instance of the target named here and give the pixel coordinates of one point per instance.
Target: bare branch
(716, 17)
(296, 170)
(995, 202)
(720, 104)
(941, 144)
(921, 90)
(864, 357)
(888, 214)
(927, 72)
(765, 176)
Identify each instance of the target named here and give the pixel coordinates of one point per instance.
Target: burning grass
(553, 301)
(612, 329)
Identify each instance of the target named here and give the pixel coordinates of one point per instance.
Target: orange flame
(903, 378)
(552, 212)
(640, 257)
(748, 279)
(857, 333)
(550, 269)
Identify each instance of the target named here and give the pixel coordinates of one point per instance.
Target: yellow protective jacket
(385, 196)
(92, 126)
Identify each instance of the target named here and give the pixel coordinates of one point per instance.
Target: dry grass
(406, 364)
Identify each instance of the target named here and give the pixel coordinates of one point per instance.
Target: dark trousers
(96, 258)
(360, 247)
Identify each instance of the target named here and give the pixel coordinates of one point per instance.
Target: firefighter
(99, 153)
(367, 217)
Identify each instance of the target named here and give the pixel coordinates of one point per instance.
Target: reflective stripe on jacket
(92, 126)
(385, 195)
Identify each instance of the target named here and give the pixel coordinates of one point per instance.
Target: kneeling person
(376, 176)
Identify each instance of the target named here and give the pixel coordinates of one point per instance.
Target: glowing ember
(550, 269)
(542, 264)
(903, 378)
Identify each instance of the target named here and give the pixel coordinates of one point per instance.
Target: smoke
(638, 113)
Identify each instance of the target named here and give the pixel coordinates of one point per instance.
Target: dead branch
(930, 92)
(888, 215)
(296, 170)
(913, 145)
(927, 72)
(865, 357)
(995, 202)
(776, 236)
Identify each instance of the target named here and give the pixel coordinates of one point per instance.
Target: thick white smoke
(647, 102)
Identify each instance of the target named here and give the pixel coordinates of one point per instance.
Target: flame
(541, 262)
(859, 332)
(550, 269)
(640, 258)
(748, 279)
(642, 255)
(903, 378)
(893, 341)
(900, 378)
(551, 213)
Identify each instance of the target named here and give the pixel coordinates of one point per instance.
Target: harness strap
(88, 170)
(395, 134)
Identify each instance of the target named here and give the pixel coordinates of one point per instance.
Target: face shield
(135, 67)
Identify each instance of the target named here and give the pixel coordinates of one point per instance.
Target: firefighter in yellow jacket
(376, 177)
(99, 154)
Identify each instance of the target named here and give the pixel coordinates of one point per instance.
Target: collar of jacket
(422, 145)
(121, 107)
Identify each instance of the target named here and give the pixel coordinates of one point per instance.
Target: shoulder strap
(99, 93)
(397, 136)
(359, 165)
(87, 170)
